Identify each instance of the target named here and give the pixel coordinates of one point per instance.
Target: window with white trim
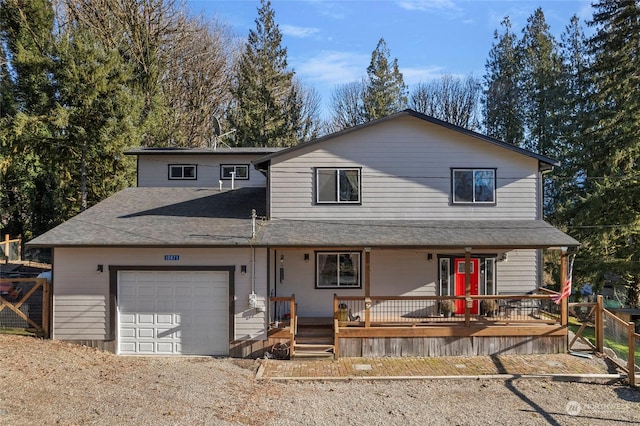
(338, 270)
(337, 186)
(183, 171)
(473, 186)
(241, 171)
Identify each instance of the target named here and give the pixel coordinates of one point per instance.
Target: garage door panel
(172, 312)
(146, 333)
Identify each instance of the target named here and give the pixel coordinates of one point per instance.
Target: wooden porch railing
(424, 310)
(284, 316)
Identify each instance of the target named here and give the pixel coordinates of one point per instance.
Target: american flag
(566, 290)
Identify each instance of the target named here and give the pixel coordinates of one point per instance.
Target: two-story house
(407, 235)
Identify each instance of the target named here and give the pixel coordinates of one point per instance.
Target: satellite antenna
(216, 127)
(217, 133)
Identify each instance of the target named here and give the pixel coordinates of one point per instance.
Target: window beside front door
(337, 186)
(445, 277)
(338, 270)
(473, 186)
(486, 277)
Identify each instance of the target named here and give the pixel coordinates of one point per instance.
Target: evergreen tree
(541, 96)
(541, 77)
(267, 109)
(72, 115)
(572, 141)
(28, 169)
(97, 117)
(607, 216)
(385, 92)
(503, 108)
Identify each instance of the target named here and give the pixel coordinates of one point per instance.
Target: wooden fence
(619, 343)
(10, 249)
(613, 337)
(25, 304)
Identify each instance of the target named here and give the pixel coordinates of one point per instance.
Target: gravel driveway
(50, 382)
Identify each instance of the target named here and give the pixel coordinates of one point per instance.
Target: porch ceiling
(507, 234)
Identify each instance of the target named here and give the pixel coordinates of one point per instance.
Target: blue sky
(330, 42)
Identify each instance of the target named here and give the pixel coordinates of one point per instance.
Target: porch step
(307, 331)
(313, 351)
(314, 340)
(315, 321)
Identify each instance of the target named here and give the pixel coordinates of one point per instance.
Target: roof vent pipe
(233, 180)
(253, 223)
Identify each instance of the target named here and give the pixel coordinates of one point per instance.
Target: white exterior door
(173, 313)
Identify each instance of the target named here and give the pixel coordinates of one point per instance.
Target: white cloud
(300, 32)
(331, 9)
(333, 67)
(428, 5)
(412, 76)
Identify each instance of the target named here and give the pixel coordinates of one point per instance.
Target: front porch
(400, 326)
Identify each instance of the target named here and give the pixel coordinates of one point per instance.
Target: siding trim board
(113, 291)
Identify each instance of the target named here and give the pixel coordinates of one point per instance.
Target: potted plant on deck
(489, 307)
(447, 307)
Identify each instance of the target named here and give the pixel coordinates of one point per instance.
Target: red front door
(460, 277)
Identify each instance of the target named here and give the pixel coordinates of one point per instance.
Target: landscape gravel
(45, 382)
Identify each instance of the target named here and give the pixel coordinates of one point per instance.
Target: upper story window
(241, 171)
(183, 171)
(337, 186)
(474, 186)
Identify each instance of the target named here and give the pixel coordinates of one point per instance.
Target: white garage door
(173, 313)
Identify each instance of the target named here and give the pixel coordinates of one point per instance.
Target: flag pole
(564, 303)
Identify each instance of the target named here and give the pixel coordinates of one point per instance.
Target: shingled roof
(503, 234)
(204, 217)
(162, 217)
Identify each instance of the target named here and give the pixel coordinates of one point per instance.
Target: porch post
(367, 272)
(599, 324)
(467, 285)
(564, 303)
(367, 286)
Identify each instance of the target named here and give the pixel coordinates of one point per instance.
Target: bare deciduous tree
(451, 99)
(182, 63)
(347, 106)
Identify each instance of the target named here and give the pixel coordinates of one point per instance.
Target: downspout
(540, 216)
(253, 298)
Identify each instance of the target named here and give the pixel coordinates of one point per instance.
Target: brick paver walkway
(554, 364)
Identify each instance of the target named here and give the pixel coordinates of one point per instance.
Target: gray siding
(518, 274)
(406, 174)
(81, 295)
(153, 171)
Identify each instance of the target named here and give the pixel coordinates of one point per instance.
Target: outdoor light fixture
(243, 269)
(429, 257)
(100, 268)
(306, 257)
